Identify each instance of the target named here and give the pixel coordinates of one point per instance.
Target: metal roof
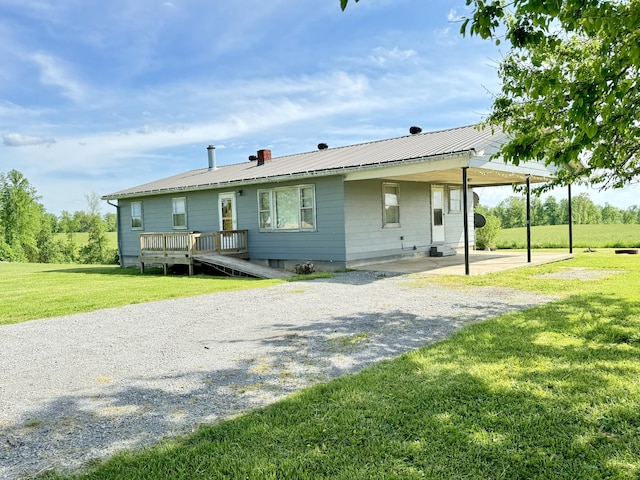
(422, 147)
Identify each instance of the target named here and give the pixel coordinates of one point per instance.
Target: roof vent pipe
(211, 153)
(415, 130)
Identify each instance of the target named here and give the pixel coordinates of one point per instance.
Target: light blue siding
(367, 237)
(324, 245)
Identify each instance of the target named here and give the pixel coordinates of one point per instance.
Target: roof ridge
(380, 140)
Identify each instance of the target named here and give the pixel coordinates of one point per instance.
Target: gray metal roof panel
(369, 154)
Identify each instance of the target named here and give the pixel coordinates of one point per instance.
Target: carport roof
(435, 157)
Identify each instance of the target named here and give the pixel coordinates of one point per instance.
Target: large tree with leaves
(20, 217)
(570, 84)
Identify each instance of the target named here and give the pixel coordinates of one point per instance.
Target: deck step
(238, 267)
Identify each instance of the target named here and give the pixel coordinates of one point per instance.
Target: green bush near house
(486, 236)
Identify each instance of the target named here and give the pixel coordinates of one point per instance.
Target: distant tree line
(512, 212)
(29, 234)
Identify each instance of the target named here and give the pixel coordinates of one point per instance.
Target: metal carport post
(465, 218)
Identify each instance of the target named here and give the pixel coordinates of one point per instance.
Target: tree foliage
(570, 85)
(27, 231)
(512, 212)
(20, 217)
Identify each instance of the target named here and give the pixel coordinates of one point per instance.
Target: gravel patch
(579, 273)
(84, 386)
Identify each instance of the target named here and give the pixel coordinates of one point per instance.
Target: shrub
(487, 235)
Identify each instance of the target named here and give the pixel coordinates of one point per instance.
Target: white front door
(437, 214)
(227, 211)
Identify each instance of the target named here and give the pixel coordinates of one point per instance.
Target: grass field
(551, 392)
(584, 236)
(30, 290)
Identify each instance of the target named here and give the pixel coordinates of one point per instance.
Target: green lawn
(29, 290)
(584, 236)
(551, 392)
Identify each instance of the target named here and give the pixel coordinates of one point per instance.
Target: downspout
(118, 232)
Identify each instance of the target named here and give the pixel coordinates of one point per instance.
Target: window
(287, 208)
(179, 216)
(455, 199)
(136, 216)
(391, 202)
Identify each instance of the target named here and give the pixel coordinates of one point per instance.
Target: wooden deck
(181, 248)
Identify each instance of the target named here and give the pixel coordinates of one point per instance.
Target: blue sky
(98, 96)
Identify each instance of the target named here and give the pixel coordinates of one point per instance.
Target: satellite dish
(476, 200)
(252, 158)
(478, 220)
(415, 130)
(322, 146)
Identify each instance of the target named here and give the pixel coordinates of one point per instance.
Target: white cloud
(54, 73)
(454, 16)
(383, 57)
(18, 140)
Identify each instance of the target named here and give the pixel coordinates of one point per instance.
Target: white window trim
(451, 209)
(173, 213)
(386, 224)
(273, 227)
(141, 227)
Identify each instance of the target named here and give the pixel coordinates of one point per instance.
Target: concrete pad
(480, 262)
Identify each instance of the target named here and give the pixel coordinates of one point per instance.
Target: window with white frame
(391, 204)
(179, 213)
(136, 216)
(455, 199)
(287, 208)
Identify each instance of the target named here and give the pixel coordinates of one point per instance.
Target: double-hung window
(391, 204)
(455, 200)
(287, 208)
(136, 216)
(179, 213)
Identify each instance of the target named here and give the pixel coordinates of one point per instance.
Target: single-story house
(335, 207)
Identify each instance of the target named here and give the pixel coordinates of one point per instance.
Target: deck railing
(188, 244)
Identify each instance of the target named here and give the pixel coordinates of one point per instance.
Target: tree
(96, 248)
(570, 85)
(584, 210)
(20, 217)
(610, 214)
(552, 213)
(512, 212)
(111, 222)
(69, 225)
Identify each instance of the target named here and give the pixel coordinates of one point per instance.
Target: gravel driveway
(83, 386)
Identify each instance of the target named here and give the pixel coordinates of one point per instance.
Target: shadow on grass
(548, 393)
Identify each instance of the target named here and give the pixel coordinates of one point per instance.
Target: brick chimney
(263, 156)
